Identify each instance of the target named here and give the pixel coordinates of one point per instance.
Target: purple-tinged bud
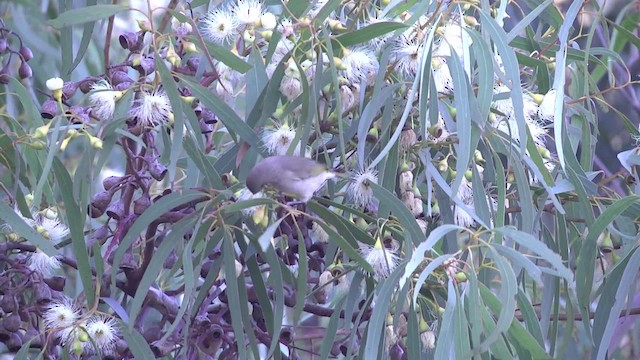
(79, 114)
(208, 116)
(5, 75)
(111, 181)
(12, 323)
(99, 203)
(8, 303)
(147, 66)
(123, 86)
(170, 261)
(24, 71)
(56, 283)
(396, 352)
(286, 336)
(119, 77)
(205, 128)
(3, 45)
(42, 293)
(157, 170)
(116, 210)
(193, 63)
(49, 109)
(185, 92)
(141, 204)
(87, 84)
(69, 89)
(26, 53)
(99, 236)
(132, 41)
(14, 343)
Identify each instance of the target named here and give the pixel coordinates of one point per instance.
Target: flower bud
(3, 45)
(49, 109)
(405, 181)
(116, 210)
(95, 142)
(468, 175)
(157, 170)
(111, 181)
(24, 71)
(132, 41)
(99, 203)
(26, 53)
(42, 131)
(268, 21)
(144, 25)
(443, 165)
(5, 76)
(336, 25)
(189, 47)
(145, 66)
(119, 77)
(141, 204)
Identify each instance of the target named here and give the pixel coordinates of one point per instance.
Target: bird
(295, 176)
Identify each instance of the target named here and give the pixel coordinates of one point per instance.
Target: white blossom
(54, 84)
(219, 26)
(248, 12)
(103, 100)
(382, 260)
(454, 39)
(547, 107)
(103, 333)
(41, 263)
(290, 87)
(151, 108)
(359, 187)
(359, 65)
(278, 139)
(508, 123)
(441, 75)
(61, 318)
(268, 21)
(408, 57)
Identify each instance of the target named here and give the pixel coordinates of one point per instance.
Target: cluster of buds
(11, 45)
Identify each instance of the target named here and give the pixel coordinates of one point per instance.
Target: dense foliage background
(485, 204)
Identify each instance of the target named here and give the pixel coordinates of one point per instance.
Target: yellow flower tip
(144, 25)
(77, 347)
(65, 143)
(339, 64)
(95, 142)
(42, 131)
(378, 244)
(117, 95)
(267, 34)
(37, 145)
(537, 98)
(82, 335)
(471, 21)
(190, 47)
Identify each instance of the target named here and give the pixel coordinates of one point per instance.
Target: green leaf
(223, 54)
(76, 219)
(368, 32)
(137, 344)
(86, 14)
